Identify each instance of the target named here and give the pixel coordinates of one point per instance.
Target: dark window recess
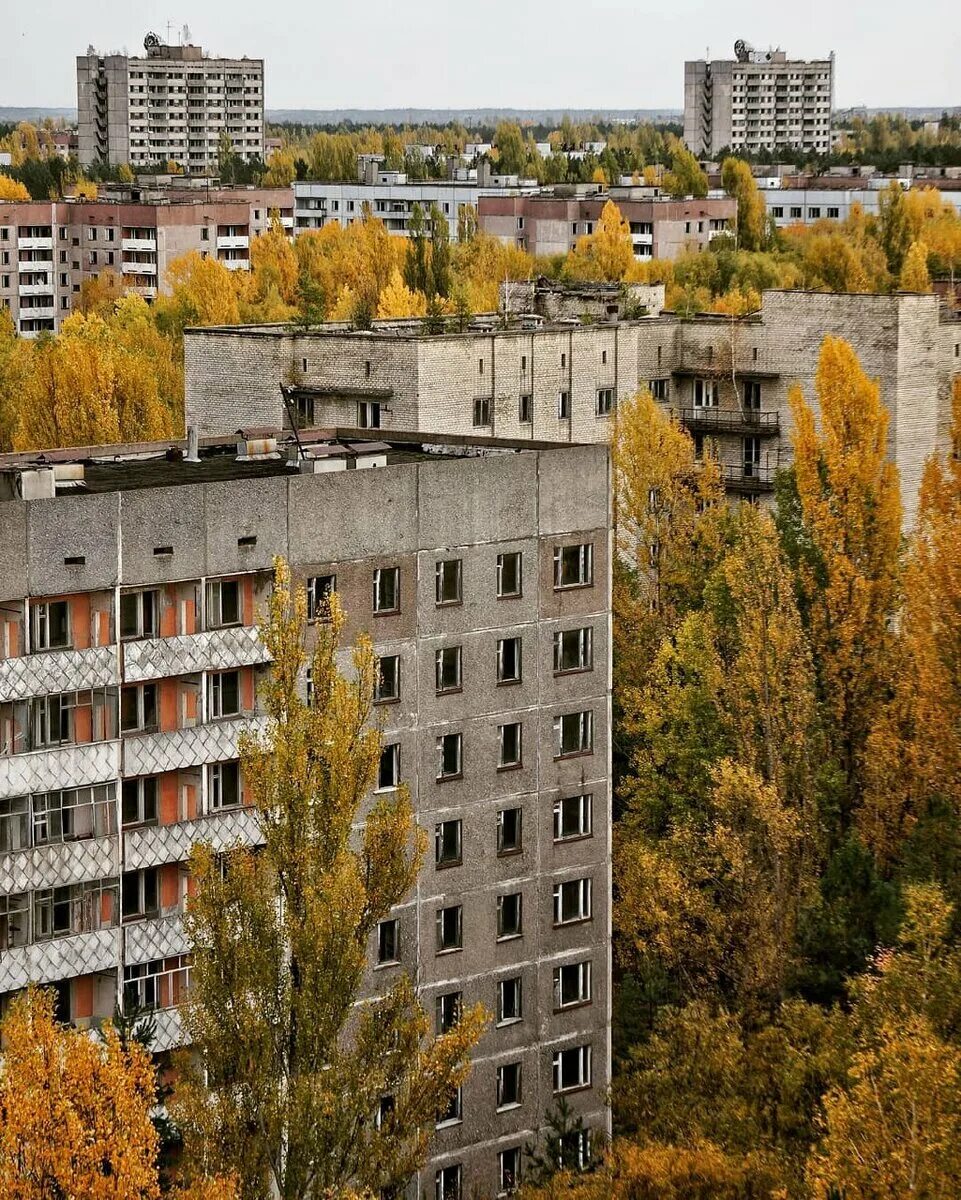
(509, 915)
(250, 540)
(78, 560)
(161, 551)
(447, 843)
(448, 1011)
(388, 941)
(509, 826)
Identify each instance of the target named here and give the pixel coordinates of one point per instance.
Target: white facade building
(760, 100)
(174, 104)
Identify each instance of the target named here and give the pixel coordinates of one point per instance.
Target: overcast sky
(495, 53)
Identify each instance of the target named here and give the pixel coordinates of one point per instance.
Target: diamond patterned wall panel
(152, 753)
(145, 941)
(58, 671)
(157, 844)
(56, 866)
(62, 958)
(68, 766)
(169, 1030)
(215, 650)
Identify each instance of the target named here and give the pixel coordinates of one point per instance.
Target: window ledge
(446, 866)
(573, 754)
(563, 1008)
(518, 766)
(509, 937)
(450, 950)
(449, 778)
(574, 671)
(574, 837)
(573, 921)
(572, 587)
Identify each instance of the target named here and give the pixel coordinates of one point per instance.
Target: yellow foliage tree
(99, 293)
(101, 380)
(281, 170)
(12, 189)
(914, 750)
(202, 292)
(85, 189)
(607, 253)
(273, 266)
(397, 300)
(290, 1065)
(74, 1110)
(851, 514)
(738, 181)
(914, 273)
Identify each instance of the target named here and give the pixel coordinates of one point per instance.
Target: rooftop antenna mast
(169, 26)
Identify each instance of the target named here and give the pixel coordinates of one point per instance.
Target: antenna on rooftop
(169, 27)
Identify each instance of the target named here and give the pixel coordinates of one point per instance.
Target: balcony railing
(748, 478)
(726, 420)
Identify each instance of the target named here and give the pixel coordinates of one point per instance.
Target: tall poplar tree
(300, 1085)
(850, 522)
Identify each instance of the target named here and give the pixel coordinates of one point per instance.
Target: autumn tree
(100, 293)
(850, 524)
(738, 181)
(665, 522)
(101, 380)
(892, 1127)
(607, 253)
(397, 300)
(12, 189)
(202, 292)
(292, 1065)
(685, 177)
(913, 763)
(74, 1110)
(914, 272)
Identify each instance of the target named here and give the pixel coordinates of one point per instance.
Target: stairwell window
(386, 590)
(605, 402)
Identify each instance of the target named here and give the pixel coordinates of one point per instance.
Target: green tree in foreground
(300, 1089)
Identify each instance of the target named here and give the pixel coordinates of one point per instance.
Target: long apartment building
(759, 100)
(546, 224)
(387, 195)
(558, 377)
(48, 249)
(174, 104)
(130, 586)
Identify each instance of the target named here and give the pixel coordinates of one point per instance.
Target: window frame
(503, 679)
(510, 933)
(585, 809)
(444, 656)
(584, 886)
(585, 984)
(510, 764)
(380, 695)
(393, 924)
(500, 572)
(443, 858)
(585, 650)
(442, 743)
(440, 925)
(585, 566)
(381, 574)
(516, 983)
(440, 582)
(215, 604)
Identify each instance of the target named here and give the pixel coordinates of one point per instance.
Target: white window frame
(584, 647)
(583, 890)
(585, 813)
(583, 970)
(584, 1069)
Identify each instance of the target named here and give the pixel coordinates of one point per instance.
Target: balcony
(642, 239)
(216, 741)
(748, 480)
(215, 650)
(64, 767)
(139, 268)
(61, 958)
(45, 310)
(163, 937)
(59, 864)
(31, 268)
(56, 671)
(35, 289)
(35, 243)
(139, 244)
(168, 1029)
(236, 264)
(236, 241)
(154, 845)
(725, 420)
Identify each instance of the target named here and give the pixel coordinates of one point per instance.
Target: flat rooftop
(252, 454)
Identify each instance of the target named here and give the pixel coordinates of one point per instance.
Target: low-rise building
(48, 249)
(832, 199)
(551, 222)
(558, 377)
(131, 583)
